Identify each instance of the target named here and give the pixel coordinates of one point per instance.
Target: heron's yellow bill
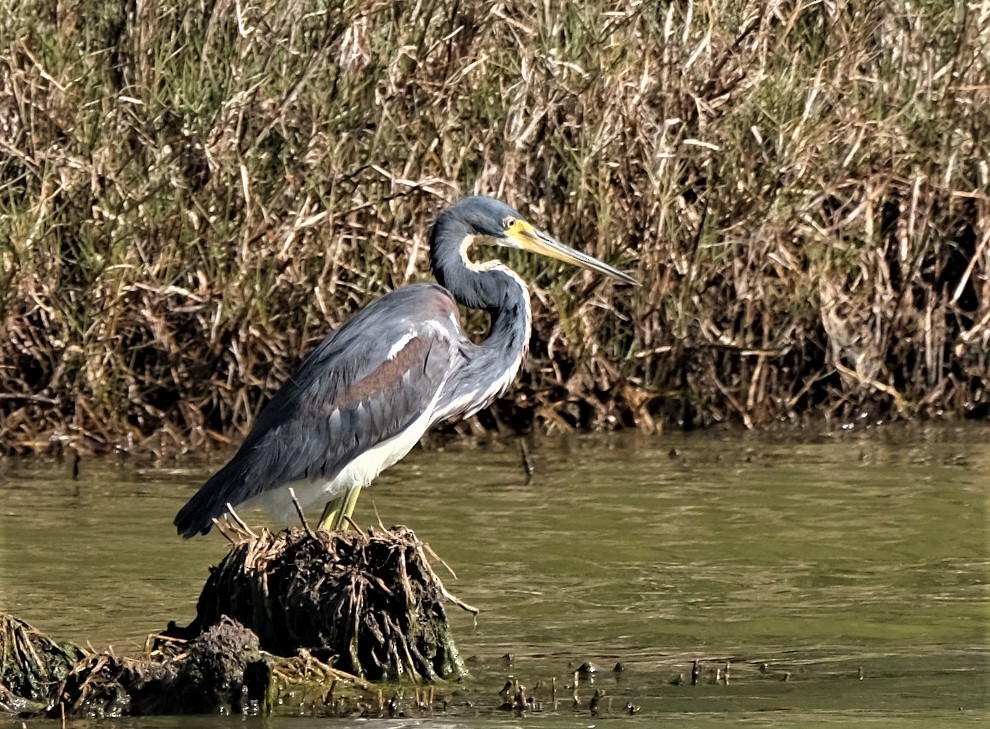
(528, 238)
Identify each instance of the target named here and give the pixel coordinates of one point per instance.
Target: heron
(368, 392)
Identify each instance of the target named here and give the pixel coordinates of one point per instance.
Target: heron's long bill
(530, 239)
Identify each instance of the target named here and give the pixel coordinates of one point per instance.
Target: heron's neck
(512, 317)
(493, 288)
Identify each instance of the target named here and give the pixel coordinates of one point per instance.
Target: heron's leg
(344, 506)
(348, 510)
(337, 513)
(331, 512)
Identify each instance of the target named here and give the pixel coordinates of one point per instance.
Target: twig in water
(526, 460)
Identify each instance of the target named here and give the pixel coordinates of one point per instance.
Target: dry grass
(192, 194)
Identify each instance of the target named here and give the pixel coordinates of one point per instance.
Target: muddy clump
(31, 664)
(209, 674)
(297, 620)
(368, 603)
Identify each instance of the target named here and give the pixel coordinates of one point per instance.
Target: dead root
(367, 603)
(342, 608)
(221, 671)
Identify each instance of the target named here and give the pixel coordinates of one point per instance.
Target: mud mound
(369, 603)
(31, 663)
(221, 670)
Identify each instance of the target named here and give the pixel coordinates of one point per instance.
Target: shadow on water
(844, 578)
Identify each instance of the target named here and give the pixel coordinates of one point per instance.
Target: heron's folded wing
(322, 426)
(361, 386)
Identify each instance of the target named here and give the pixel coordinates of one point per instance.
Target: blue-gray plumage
(367, 393)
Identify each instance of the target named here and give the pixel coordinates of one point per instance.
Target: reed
(193, 193)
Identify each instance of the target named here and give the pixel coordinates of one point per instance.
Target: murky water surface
(818, 559)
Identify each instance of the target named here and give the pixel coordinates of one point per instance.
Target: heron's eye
(509, 223)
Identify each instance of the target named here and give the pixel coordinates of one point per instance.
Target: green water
(810, 557)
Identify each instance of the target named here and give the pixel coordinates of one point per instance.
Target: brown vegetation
(298, 619)
(369, 603)
(221, 671)
(193, 194)
(31, 664)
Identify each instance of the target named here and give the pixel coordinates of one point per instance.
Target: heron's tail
(210, 502)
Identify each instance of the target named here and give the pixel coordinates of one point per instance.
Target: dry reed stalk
(190, 198)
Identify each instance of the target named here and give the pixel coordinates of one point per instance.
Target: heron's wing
(365, 383)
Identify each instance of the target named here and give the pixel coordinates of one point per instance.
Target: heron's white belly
(361, 471)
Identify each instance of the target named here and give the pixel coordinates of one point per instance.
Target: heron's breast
(366, 467)
(360, 471)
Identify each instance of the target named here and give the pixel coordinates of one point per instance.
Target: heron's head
(478, 219)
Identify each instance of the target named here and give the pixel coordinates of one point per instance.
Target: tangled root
(369, 603)
(340, 608)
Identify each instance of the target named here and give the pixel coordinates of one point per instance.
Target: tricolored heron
(363, 398)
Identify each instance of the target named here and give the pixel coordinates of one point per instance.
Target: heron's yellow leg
(337, 513)
(348, 510)
(331, 512)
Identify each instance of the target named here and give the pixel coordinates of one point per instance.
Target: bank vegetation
(193, 193)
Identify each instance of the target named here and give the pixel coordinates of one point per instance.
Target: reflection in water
(808, 559)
